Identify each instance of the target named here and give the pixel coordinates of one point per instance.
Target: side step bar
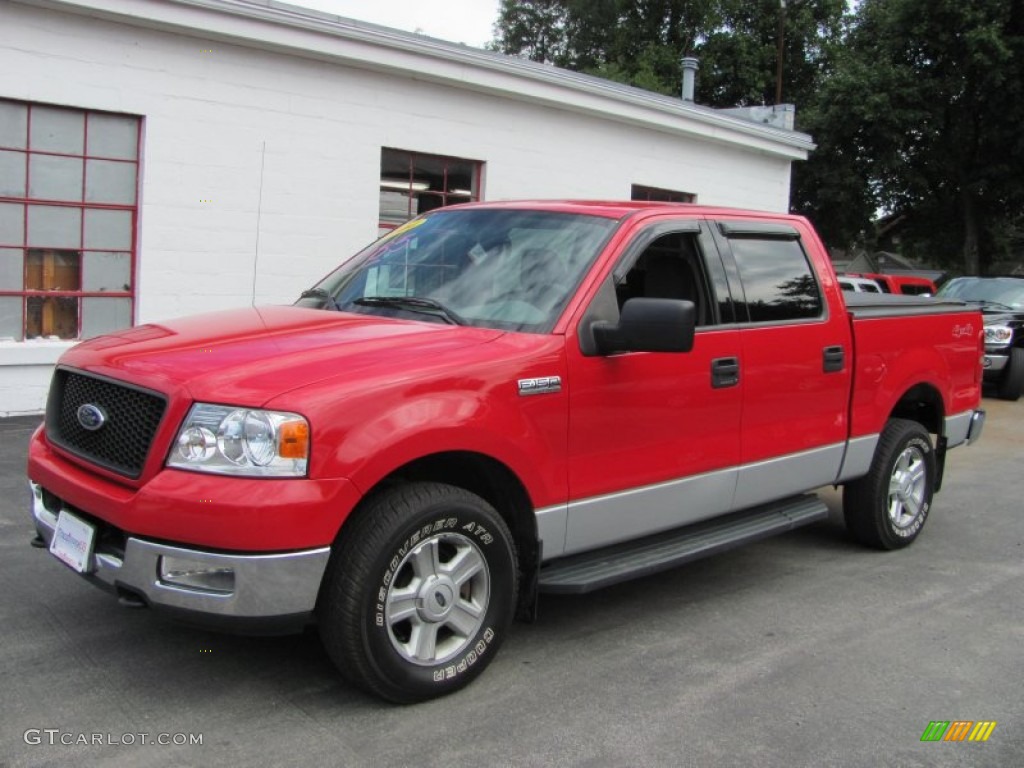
(603, 567)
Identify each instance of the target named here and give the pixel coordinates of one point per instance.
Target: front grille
(132, 416)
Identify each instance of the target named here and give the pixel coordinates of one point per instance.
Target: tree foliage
(917, 106)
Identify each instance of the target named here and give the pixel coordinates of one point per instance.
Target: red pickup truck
(492, 402)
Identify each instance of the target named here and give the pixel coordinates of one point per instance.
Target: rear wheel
(888, 507)
(419, 593)
(1012, 381)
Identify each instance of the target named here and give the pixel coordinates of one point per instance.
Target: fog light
(194, 574)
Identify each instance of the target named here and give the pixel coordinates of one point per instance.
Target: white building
(165, 157)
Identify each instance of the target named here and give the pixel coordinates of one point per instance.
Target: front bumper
(995, 360)
(270, 592)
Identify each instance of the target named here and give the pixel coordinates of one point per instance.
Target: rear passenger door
(795, 362)
(654, 436)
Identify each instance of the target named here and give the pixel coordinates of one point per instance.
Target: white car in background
(858, 284)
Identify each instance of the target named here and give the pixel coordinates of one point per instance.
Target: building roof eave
(307, 32)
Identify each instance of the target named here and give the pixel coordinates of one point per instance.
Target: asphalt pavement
(802, 650)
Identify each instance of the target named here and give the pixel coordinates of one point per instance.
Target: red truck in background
(491, 402)
(908, 285)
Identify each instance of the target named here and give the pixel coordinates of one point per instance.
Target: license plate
(73, 541)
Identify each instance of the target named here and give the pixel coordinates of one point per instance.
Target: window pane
(51, 317)
(12, 173)
(12, 270)
(58, 130)
(107, 272)
(113, 136)
(105, 315)
(10, 317)
(13, 125)
(777, 279)
(52, 270)
(54, 178)
(12, 224)
(110, 182)
(54, 226)
(108, 229)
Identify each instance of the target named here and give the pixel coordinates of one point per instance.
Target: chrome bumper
(265, 587)
(993, 362)
(977, 426)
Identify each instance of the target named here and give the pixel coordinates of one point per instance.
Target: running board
(603, 567)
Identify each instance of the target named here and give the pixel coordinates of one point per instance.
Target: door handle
(725, 372)
(833, 359)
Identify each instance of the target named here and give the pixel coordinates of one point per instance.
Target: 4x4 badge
(91, 417)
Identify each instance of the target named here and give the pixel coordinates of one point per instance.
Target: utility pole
(780, 39)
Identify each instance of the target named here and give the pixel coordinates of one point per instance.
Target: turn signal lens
(294, 440)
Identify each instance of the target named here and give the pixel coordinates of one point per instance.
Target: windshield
(506, 269)
(1006, 292)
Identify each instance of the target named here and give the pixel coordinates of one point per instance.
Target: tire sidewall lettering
(464, 522)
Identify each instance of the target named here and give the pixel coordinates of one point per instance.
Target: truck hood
(249, 356)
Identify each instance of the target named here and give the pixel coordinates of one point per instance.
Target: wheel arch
(924, 404)
(491, 480)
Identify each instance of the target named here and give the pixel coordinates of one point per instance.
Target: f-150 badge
(541, 386)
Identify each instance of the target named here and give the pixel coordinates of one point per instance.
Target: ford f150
(491, 402)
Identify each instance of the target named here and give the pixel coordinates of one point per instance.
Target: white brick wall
(293, 144)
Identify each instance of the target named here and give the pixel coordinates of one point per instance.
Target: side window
(777, 279)
(669, 268)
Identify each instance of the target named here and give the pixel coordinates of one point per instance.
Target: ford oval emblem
(91, 417)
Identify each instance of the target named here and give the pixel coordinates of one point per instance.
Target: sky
(457, 21)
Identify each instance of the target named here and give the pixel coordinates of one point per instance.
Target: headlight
(998, 335)
(242, 441)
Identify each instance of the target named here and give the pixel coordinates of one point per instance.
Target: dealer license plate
(73, 541)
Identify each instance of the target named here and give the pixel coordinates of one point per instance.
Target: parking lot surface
(802, 650)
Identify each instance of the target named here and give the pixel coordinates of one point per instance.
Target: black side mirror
(648, 325)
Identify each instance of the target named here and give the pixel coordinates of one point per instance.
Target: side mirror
(648, 325)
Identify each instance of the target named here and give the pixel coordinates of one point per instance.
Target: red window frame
(27, 201)
(405, 172)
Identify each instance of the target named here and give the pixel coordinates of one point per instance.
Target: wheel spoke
(464, 618)
(894, 485)
(402, 603)
(911, 507)
(464, 566)
(916, 473)
(425, 559)
(423, 640)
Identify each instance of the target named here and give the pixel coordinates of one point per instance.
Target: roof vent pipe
(689, 76)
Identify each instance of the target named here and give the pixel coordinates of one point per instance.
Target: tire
(419, 593)
(1012, 381)
(888, 507)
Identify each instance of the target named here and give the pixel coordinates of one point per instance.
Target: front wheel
(1012, 381)
(419, 593)
(888, 507)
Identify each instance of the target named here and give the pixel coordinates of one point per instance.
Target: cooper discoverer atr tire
(419, 593)
(888, 507)
(1012, 381)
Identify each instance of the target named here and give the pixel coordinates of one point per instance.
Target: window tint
(777, 279)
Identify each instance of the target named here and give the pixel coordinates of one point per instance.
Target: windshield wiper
(413, 304)
(320, 293)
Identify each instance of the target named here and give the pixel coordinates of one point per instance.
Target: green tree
(934, 90)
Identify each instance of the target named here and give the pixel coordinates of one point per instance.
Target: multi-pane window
(68, 205)
(656, 194)
(412, 183)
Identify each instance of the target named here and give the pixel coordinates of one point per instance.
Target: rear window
(777, 279)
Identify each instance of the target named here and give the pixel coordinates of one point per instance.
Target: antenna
(259, 215)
